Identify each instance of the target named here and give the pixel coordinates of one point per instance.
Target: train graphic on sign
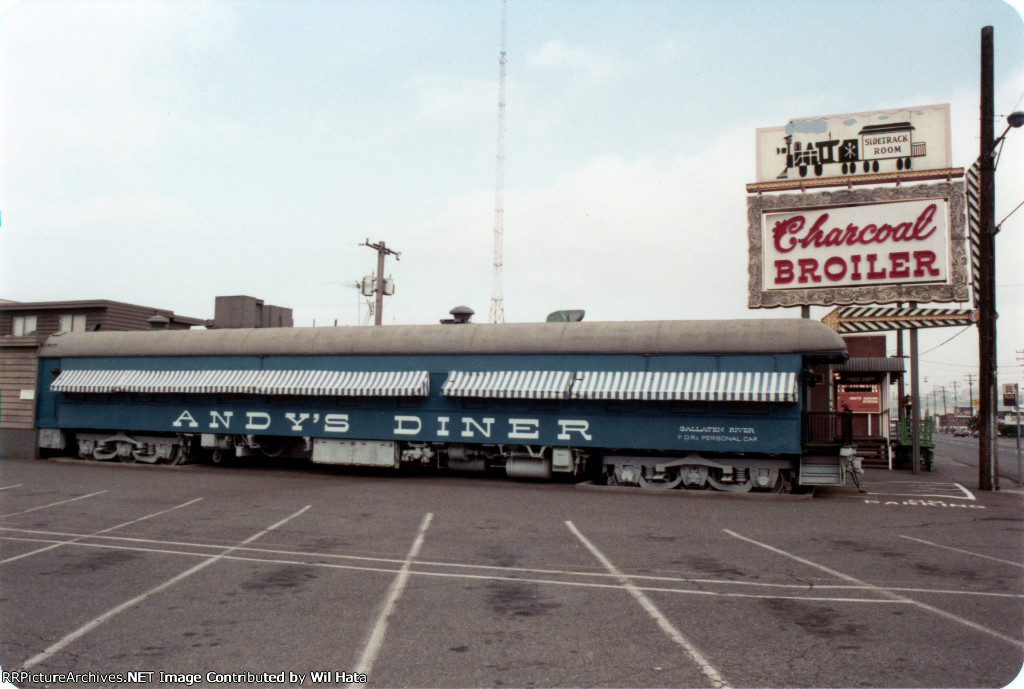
(871, 151)
(857, 144)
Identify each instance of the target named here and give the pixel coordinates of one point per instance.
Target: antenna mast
(497, 314)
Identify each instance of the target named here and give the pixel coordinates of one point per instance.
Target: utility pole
(382, 251)
(970, 392)
(988, 478)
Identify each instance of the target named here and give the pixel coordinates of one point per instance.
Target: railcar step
(821, 472)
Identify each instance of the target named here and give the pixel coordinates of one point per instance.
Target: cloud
(625, 239)
(584, 64)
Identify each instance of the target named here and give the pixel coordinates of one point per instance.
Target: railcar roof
(742, 336)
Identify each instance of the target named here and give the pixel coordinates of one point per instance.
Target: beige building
(24, 326)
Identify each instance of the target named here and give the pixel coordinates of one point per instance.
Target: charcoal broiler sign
(869, 245)
(858, 246)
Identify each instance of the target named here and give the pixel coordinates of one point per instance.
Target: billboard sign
(856, 144)
(1009, 394)
(860, 398)
(865, 246)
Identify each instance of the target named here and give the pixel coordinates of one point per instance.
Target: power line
(946, 340)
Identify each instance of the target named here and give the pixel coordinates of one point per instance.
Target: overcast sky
(164, 153)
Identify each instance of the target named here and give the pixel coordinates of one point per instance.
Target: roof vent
(568, 316)
(460, 314)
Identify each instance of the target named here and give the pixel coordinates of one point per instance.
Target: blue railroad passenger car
(698, 404)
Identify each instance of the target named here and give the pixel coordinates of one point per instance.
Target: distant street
(965, 451)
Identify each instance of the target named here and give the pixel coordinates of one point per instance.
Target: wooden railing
(828, 428)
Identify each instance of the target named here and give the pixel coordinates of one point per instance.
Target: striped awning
(538, 385)
(327, 383)
(346, 383)
(887, 364)
(86, 381)
(188, 382)
(710, 386)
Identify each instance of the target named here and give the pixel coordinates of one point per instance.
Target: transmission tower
(497, 314)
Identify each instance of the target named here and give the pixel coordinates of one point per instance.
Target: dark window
(750, 408)
(688, 408)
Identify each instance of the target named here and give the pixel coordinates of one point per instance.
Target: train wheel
(672, 478)
(741, 486)
(141, 456)
(103, 454)
(781, 485)
(218, 457)
(610, 480)
(178, 455)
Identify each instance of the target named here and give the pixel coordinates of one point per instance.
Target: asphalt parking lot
(117, 574)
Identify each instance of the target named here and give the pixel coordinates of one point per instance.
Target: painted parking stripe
(98, 533)
(965, 552)
(884, 592)
(647, 604)
(53, 504)
(368, 656)
(381, 565)
(914, 489)
(117, 610)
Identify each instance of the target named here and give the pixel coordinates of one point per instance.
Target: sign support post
(1011, 398)
(1020, 473)
(915, 403)
(988, 478)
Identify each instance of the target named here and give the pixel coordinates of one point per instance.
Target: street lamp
(1013, 121)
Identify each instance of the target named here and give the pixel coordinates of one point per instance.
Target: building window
(72, 323)
(24, 325)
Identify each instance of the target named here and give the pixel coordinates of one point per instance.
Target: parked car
(961, 433)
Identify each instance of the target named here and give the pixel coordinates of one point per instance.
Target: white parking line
(53, 504)
(16, 485)
(965, 552)
(316, 559)
(884, 592)
(373, 643)
(648, 605)
(914, 489)
(967, 493)
(97, 533)
(97, 621)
